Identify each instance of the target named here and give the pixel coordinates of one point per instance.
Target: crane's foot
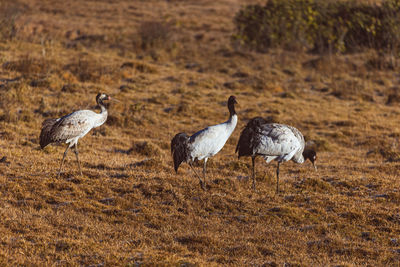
(202, 186)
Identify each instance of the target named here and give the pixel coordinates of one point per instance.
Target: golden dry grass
(129, 207)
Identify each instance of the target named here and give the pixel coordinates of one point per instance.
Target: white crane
(273, 141)
(205, 143)
(69, 128)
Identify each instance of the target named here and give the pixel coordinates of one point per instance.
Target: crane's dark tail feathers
(246, 143)
(45, 134)
(179, 149)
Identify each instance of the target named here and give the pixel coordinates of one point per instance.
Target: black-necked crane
(273, 141)
(69, 128)
(205, 143)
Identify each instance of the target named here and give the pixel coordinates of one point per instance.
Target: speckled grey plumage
(279, 142)
(70, 128)
(272, 141)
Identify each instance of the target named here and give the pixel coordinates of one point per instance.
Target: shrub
(154, 34)
(277, 23)
(30, 66)
(319, 25)
(9, 12)
(89, 70)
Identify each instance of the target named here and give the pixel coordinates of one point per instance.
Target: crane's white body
(69, 128)
(205, 143)
(209, 141)
(77, 124)
(280, 142)
(273, 141)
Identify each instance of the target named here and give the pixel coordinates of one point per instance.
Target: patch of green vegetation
(320, 26)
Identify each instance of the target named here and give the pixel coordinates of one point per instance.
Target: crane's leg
(253, 161)
(62, 161)
(77, 158)
(277, 178)
(201, 182)
(204, 170)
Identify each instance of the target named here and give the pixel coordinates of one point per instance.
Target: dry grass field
(172, 66)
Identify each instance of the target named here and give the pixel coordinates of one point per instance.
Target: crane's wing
(201, 143)
(278, 140)
(45, 134)
(73, 125)
(209, 141)
(179, 149)
(247, 142)
(202, 135)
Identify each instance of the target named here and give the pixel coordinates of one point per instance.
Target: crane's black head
(100, 97)
(256, 123)
(311, 155)
(231, 105)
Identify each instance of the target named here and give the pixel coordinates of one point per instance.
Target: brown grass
(129, 207)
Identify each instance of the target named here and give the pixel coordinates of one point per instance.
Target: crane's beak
(315, 166)
(113, 99)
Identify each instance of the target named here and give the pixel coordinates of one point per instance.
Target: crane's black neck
(101, 104)
(231, 107)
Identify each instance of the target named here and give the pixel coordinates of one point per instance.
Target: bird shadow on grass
(4, 161)
(120, 170)
(123, 151)
(119, 176)
(102, 166)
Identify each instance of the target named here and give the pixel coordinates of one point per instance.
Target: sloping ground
(129, 207)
